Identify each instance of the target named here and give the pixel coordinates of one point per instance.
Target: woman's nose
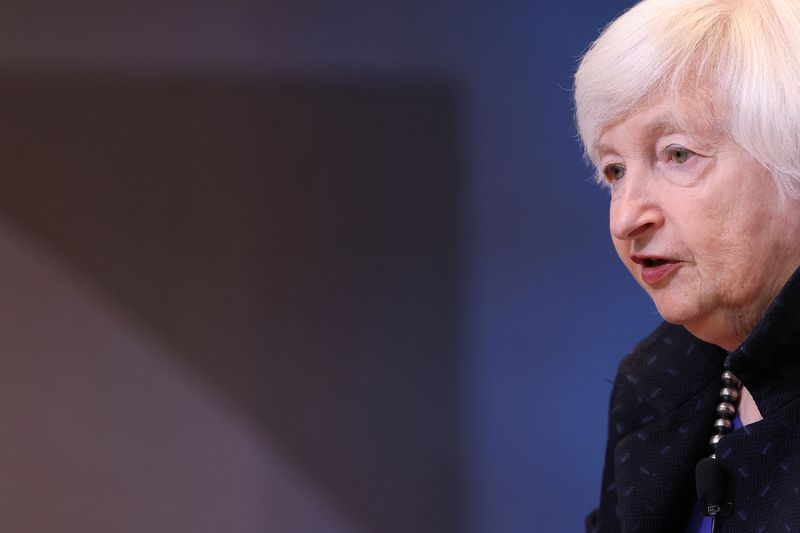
(635, 210)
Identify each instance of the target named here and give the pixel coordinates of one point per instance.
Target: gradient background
(302, 267)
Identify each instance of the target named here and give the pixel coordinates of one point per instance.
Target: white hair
(740, 59)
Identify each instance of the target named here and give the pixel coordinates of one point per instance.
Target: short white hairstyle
(739, 58)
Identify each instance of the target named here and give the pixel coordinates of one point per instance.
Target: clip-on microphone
(710, 483)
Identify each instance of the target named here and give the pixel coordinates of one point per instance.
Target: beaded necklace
(726, 410)
(710, 475)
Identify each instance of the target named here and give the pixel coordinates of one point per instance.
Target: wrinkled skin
(683, 191)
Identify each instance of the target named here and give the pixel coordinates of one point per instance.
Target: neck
(729, 328)
(732, 324)
(748, 410)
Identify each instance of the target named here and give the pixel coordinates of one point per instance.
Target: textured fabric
(660, 420)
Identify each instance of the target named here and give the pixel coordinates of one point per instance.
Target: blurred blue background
(366, 227)
(552, 308)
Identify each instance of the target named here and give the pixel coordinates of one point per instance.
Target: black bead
(729, 380)
(722, 425)
(729, 395)
(726, 410)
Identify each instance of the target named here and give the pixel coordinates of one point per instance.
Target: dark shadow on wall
(297, 241)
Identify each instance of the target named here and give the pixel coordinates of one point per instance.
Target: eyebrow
(661, 125)
(666, 125)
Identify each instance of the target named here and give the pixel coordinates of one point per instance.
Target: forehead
(652, 121)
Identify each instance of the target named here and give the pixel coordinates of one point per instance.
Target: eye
(678, 153)
(613, 172)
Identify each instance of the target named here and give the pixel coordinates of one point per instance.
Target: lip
(653, 275)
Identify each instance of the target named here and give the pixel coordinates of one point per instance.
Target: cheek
(725, 237)
(702, 229)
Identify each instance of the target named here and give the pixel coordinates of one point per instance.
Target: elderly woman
(690, 111)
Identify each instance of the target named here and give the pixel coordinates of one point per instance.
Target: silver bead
(729, 380)
(715, 440)
(729, 395)
(713, 456)
(723, 425)
(726, 410)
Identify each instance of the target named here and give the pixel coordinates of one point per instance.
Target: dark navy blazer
(661, 418)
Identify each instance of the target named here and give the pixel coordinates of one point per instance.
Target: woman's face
(700, 224)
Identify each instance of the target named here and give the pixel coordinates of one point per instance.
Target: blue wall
(552, 308)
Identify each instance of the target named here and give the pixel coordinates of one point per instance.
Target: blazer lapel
(654, 466)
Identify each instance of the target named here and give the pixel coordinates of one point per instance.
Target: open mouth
(656, 269)
(648, 262)
(651, 261)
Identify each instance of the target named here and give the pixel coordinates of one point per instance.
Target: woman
(690, 111)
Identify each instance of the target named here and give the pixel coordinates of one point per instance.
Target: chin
(678, 311)
(713, 328)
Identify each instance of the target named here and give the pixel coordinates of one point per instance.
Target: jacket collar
(654, 462)
(768, 361)
(664, 406)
